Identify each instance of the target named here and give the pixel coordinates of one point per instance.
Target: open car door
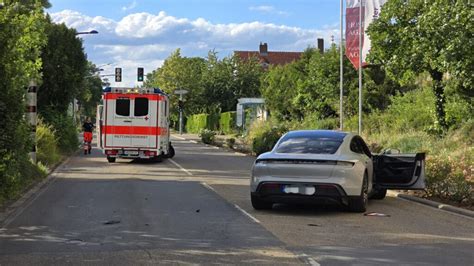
(399, 171)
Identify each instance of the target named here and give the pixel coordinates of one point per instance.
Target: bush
(448, 178)
(207, 136)
(312, 122)
(230, 142)
(263, 136)
(227, 122)
(64, 129)
(198, 122)
(47, 146)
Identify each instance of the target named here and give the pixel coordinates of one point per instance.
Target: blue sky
(136, 33)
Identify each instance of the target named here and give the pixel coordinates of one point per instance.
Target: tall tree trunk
(440, 98)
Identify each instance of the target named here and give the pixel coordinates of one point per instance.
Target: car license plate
(130, 152)
(303, 190)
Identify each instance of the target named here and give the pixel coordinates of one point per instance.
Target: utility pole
(360, 65)
(341, 78)
(31, 99)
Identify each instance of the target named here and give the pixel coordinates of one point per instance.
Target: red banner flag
(370, 11)
(352, 35)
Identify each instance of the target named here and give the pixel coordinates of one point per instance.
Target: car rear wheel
(359, 204)
(259, 204)
(379, 194)
(111, 159)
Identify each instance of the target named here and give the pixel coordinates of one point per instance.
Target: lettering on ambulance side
(130, 136)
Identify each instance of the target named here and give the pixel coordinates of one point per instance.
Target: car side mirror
(391, 151)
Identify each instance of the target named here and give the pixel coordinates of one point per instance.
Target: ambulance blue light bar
(133, 90)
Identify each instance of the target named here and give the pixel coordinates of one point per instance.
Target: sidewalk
(220, 141)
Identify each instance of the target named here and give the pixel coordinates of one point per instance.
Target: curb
(433, 204)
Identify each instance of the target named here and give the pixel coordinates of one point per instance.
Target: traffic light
(118, 74)
(140, 74)
(180, 105)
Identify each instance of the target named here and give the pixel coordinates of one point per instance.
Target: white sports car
(330, 166)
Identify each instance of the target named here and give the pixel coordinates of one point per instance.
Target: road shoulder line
(246, 213)
(433, 204)
(308, 260)
(180, 167)
(204, 184)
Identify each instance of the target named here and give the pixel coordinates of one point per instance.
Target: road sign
(180, 91)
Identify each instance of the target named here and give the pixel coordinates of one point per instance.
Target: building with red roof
(267, 58)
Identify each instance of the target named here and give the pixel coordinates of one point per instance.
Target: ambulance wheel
(171, 151)
(111, 159)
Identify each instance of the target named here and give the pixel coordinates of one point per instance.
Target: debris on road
(314, 225)
(112, 222)
(376, 214)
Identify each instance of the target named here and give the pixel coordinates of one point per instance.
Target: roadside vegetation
(417, 95)
(32, 47)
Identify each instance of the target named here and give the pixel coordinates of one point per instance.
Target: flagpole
(341, 78)
(360, 66)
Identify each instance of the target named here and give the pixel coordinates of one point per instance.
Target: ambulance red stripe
(115, 96)
(135, 130)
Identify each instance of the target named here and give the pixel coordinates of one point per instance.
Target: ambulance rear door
(118, 120)
(145, 121)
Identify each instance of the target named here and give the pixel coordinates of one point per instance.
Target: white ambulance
(134, 123)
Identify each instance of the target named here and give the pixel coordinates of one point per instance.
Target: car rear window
(308, 145)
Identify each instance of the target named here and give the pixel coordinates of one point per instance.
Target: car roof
(332, 134)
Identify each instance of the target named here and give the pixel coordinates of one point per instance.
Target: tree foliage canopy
(212, 83)
(413, 37)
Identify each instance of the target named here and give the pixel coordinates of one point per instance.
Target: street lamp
(87, 32)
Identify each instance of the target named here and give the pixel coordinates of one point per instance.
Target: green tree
(91, 93)
(21, 39)
(64, 69)
(213, 84)
(178, 72)
(413, 37)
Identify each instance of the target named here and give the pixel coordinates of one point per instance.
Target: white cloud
(268, 9)
(130, 7)
(144, 39)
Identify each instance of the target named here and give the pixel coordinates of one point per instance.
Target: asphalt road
(195, 209)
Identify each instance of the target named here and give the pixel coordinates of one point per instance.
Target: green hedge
(227, 122)
(196, 123)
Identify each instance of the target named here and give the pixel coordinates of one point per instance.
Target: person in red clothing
(87, 128)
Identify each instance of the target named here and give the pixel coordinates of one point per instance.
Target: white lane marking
(309, 260)
(193, 141)
(246, 213)
(207, 186)
(181, 138)
(180, 167)
(235, 205)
